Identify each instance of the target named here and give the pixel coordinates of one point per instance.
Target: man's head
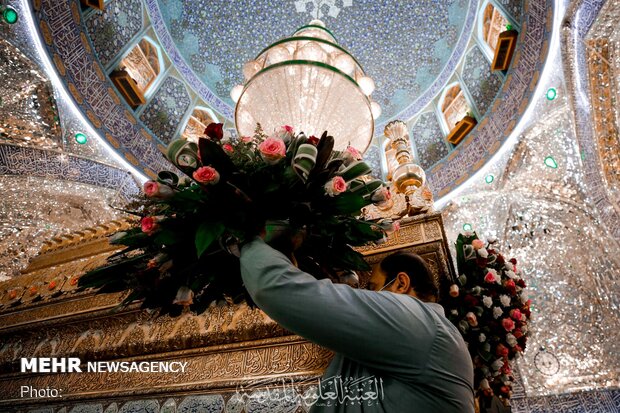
(404, 273)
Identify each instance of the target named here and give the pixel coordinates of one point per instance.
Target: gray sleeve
(381, 330)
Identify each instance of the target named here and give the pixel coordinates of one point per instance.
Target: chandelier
(311, 83)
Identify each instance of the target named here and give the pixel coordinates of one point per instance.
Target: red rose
(148, 224)
(515, 315)
(505, 389)
(511, 287)
(313, 140)
(481, 262)
(470, 300)
(508, 324)
(501, 350)
(500, 259)
(521, 283)
(228, 147)
(215, 131)
(518, 348)
(517, 333)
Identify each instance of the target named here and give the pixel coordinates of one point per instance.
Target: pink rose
(454, 290)
(354, 153)
(247, 139)
(154, 189)
(471, 319)
(351, 155)
(508, 324)
(490, 277)
(336, 186)
(477, 244)
(149, 225)
(515, 314)
(272, 150)
(206, 175)
(228, 147)
(313, 140)
(285, 133)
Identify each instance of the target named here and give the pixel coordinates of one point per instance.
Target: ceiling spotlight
(467, 227)
(551, 94)
(489, 178)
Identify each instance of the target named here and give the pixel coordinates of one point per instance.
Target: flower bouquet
(185, 250)
(489, 306)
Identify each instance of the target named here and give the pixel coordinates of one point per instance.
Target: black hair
(416, 268)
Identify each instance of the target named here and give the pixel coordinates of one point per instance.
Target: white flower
(511, 275)
(523, 318)
(491, 239)
(455, 312)
(497, 312)
(509, 266)
(486, 347)
(487, 301)
(484, 384)
(524, 298)
(505, 300)
(467, 233)
(482, 338)
(483, 252)
(524, 329)
(511, 340)
(497, 364)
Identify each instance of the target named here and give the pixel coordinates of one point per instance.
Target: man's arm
(386, 331)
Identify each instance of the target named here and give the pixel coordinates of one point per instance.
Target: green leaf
(347, 203)
(348, 258)
(168, 237)
(206, 233)
(212, 154)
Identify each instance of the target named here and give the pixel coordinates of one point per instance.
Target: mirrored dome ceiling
(406, 47)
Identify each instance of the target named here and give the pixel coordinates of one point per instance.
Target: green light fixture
(509, 26)
(489, 178)
(467, 227)
(81, 138)
(550, 162)
(9, 14)
(551, 94)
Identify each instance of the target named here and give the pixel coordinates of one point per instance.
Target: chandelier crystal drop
(311, 83)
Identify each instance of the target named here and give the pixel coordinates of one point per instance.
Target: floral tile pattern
(113, 28)
(166, 110)
(482, 84)
(428, 139)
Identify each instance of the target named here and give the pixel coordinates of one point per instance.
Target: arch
(453, 105)
(145, 64)
(197, 122)
(491, 22)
